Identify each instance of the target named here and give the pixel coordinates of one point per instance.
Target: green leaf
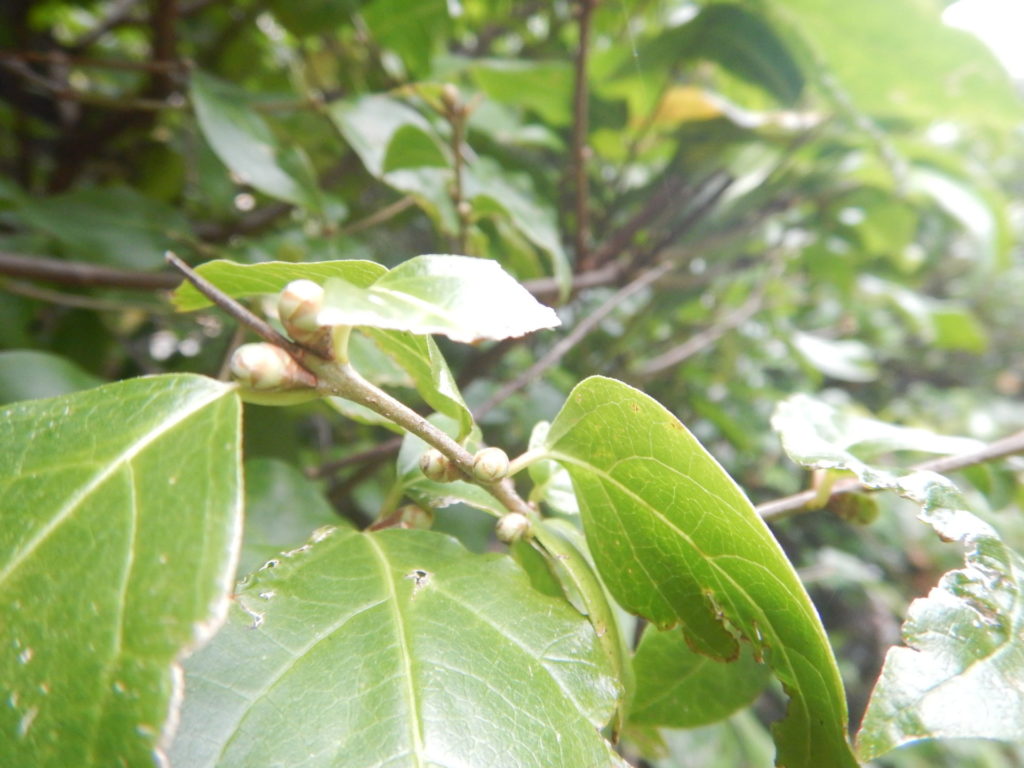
(370, 123)
(465, 299)
(545, 87)
(241, 280)
(490, 187)
(245, 144)
(415, 31)
(676, 541)
(568, 558)
(313, 17)
(678, 688)
(396, 648)
(551, 482)
(116, 226)
(423, 361)
(817, 435)
(282, 509)
(895, 58)
(958, 673)
(434, 495)
(27, 375)
(119, 536)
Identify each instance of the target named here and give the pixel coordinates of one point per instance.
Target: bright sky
(999, 23)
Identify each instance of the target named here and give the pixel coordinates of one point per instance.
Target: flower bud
(490, 465)
(267, 367)
(438, 467)
(450, 97)
(512, 527)
(298, 307)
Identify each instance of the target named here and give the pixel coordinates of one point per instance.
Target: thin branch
(379, 451)
(78, 301)
(798, 502)
(60, 57)
(580, 133)
(237, 311)
(699, 341)
(379, 217)
(559, 350)
(83, 273)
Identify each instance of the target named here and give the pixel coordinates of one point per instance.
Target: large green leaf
(678, 688)
(119, 535)
(396, 648)
(241, 280)
(465, 299)
(245, 144)
(677, 542)
(959, 674)
(415, 31)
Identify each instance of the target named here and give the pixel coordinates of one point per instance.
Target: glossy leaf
(245, 144)
(678, 688)
(492, 188)
(676, 541)
(396, 648)
(423, 361)
(26, 375)
(465, 299)
(544, 87)
(121, 524)
(414, 31)
(958, 673)
(241, 280)
(282, 509)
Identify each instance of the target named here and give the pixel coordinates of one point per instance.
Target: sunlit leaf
(396, 648)
(463, 298)
(119, 536)
(676, 541)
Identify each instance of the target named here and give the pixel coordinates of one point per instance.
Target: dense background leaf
(120, 533)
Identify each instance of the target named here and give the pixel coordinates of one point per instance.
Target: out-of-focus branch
(582, 329)
(798, 502)
(83, 273)
(699, 341)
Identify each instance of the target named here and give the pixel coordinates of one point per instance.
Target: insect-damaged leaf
(677, 542)
(396, 648)
(118, 539)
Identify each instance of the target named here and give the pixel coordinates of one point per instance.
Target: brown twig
(386, 213)
(798, 502)
(83, 273)
(580, 134)
(699, 341)
(237, 311)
